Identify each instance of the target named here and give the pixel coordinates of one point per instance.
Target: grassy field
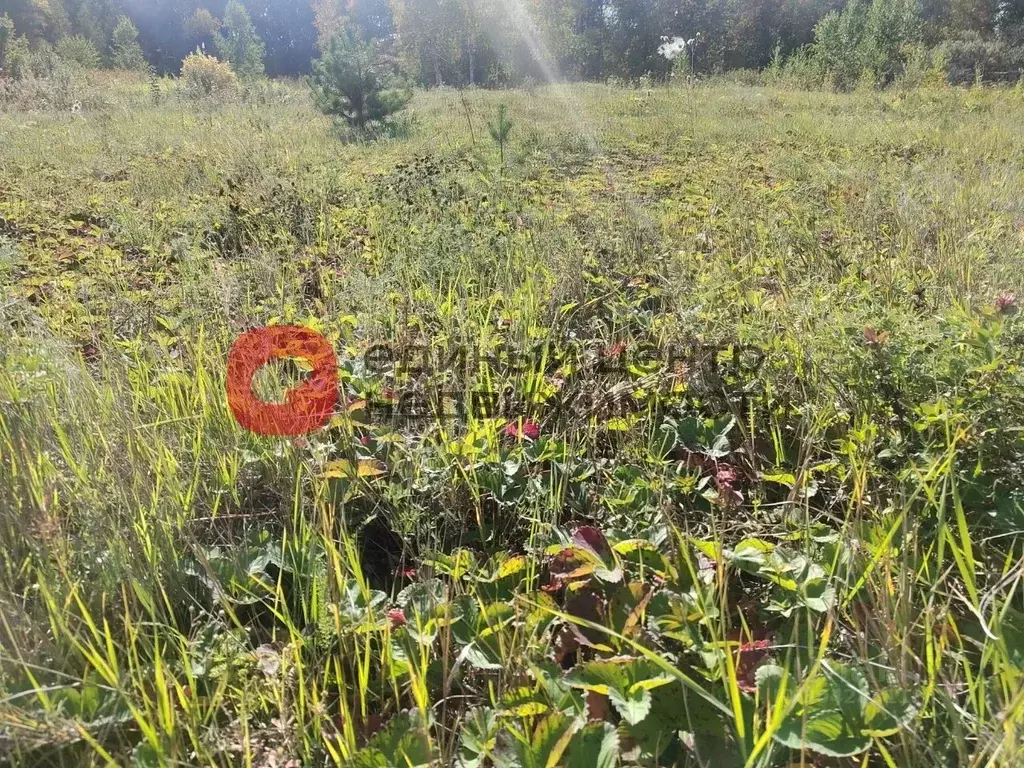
(798, 542)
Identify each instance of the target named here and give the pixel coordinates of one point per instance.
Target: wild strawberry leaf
(423, 598)
(479, 737)
(609, 575)
(707, 436)
(510, 567)
(540, 615)
(710, 549)
(403, 741)
(550, 740)
(590, 539)
(889, 711)
(600, 676)
(848, 690)
(768, 679)
(673, 709)
(747, 557)
(782, 478)
(596, 745)
(829, 717)
(644, 554)
(523, 702)
(632, 706)
(626, 681)
(826, 733)
(819, 595)
(456, 565)
(481, 655)
(627, 606)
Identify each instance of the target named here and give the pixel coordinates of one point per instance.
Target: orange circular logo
(306, 407)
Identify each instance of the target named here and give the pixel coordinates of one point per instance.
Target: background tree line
(498, 42)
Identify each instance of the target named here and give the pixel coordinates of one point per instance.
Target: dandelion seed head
(673, 48)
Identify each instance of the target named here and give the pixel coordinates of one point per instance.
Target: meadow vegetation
(798, 544)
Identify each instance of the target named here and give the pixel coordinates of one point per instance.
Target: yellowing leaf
(339, 468)
(782, 478)
(511, 566)
(364, 468)
(527, 709)
(371, 468)
(631, 545)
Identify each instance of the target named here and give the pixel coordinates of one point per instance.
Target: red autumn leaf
(749, 655)
(726, 477)
(560, 569)
(597, 707)
(1006, 303)
(589, 537)
(564, 644)
(875, 339)
(615, 350)
(524, 428)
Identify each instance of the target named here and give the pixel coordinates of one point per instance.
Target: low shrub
(78, 50)
(65, 89)
(971, 58)
(925, 67)
(866, 44)
(204, 76)
(262, 92)
(802, 70)
(22, 60)
(42, 76)
(746, 77)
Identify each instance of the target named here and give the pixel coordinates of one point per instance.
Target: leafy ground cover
(798, 542)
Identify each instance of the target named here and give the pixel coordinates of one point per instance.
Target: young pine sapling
(500, 129)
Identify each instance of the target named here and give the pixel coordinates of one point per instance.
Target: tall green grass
(177, 591)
